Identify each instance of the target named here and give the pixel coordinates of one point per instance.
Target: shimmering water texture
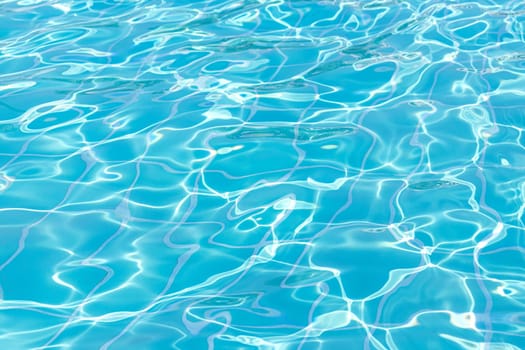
(262, 174)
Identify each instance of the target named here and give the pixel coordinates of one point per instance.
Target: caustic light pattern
(262, 174)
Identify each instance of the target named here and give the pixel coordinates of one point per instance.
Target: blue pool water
(262, 174)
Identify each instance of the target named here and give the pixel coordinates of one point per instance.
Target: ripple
(303, 134)
(431, 185)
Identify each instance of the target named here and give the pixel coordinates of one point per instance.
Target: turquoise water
(262, 174)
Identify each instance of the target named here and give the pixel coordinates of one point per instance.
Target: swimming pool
(262, 174)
